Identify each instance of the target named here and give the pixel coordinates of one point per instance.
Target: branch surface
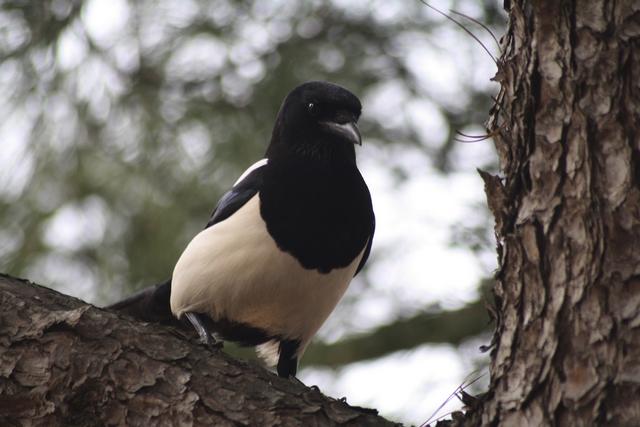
(65, 362)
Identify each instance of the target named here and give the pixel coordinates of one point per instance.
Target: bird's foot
(295, 379)
(211, 342)
(206, 338)
(359, 408)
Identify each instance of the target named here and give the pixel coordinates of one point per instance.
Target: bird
(283, 244)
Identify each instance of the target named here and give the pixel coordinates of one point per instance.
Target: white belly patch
(234, 270)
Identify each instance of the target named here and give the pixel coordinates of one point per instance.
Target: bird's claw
(212, 343)
(295, 379)
(216, 346)
(359, 408)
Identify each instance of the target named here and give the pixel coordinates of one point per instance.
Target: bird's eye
(310, 106)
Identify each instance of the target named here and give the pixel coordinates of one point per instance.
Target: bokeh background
(123, 122)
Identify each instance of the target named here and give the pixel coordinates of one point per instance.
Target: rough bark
(64, 362)
(567, 344)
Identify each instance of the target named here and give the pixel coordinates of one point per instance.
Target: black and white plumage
(283, 244)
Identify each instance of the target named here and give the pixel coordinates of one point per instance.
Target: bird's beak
(347, 130)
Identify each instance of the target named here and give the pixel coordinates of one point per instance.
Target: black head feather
(317, 118)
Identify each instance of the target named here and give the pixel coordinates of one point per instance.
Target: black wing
(239, 194)
(367, 250)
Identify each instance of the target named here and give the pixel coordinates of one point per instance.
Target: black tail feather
(150, 305)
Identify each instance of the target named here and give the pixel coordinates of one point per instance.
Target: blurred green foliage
(124, 121)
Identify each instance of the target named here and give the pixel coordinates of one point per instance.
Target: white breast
(235, 270)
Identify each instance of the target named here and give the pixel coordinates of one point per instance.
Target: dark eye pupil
(310, 106)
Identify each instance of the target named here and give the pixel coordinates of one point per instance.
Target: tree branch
(451, 327)
(65, 362)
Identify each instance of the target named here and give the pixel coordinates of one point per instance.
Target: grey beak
(347, 130)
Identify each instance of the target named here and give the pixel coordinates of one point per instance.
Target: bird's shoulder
(249, 183)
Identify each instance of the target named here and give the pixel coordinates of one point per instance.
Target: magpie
(283, 244)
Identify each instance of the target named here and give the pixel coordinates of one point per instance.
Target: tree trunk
(567, 344)
(63, 362)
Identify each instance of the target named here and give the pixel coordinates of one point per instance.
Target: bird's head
(318, 117)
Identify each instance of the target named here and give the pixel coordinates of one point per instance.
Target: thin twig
(458, 389)
(478, 138)
(426, 423)
(479, 23)
(463, 27)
